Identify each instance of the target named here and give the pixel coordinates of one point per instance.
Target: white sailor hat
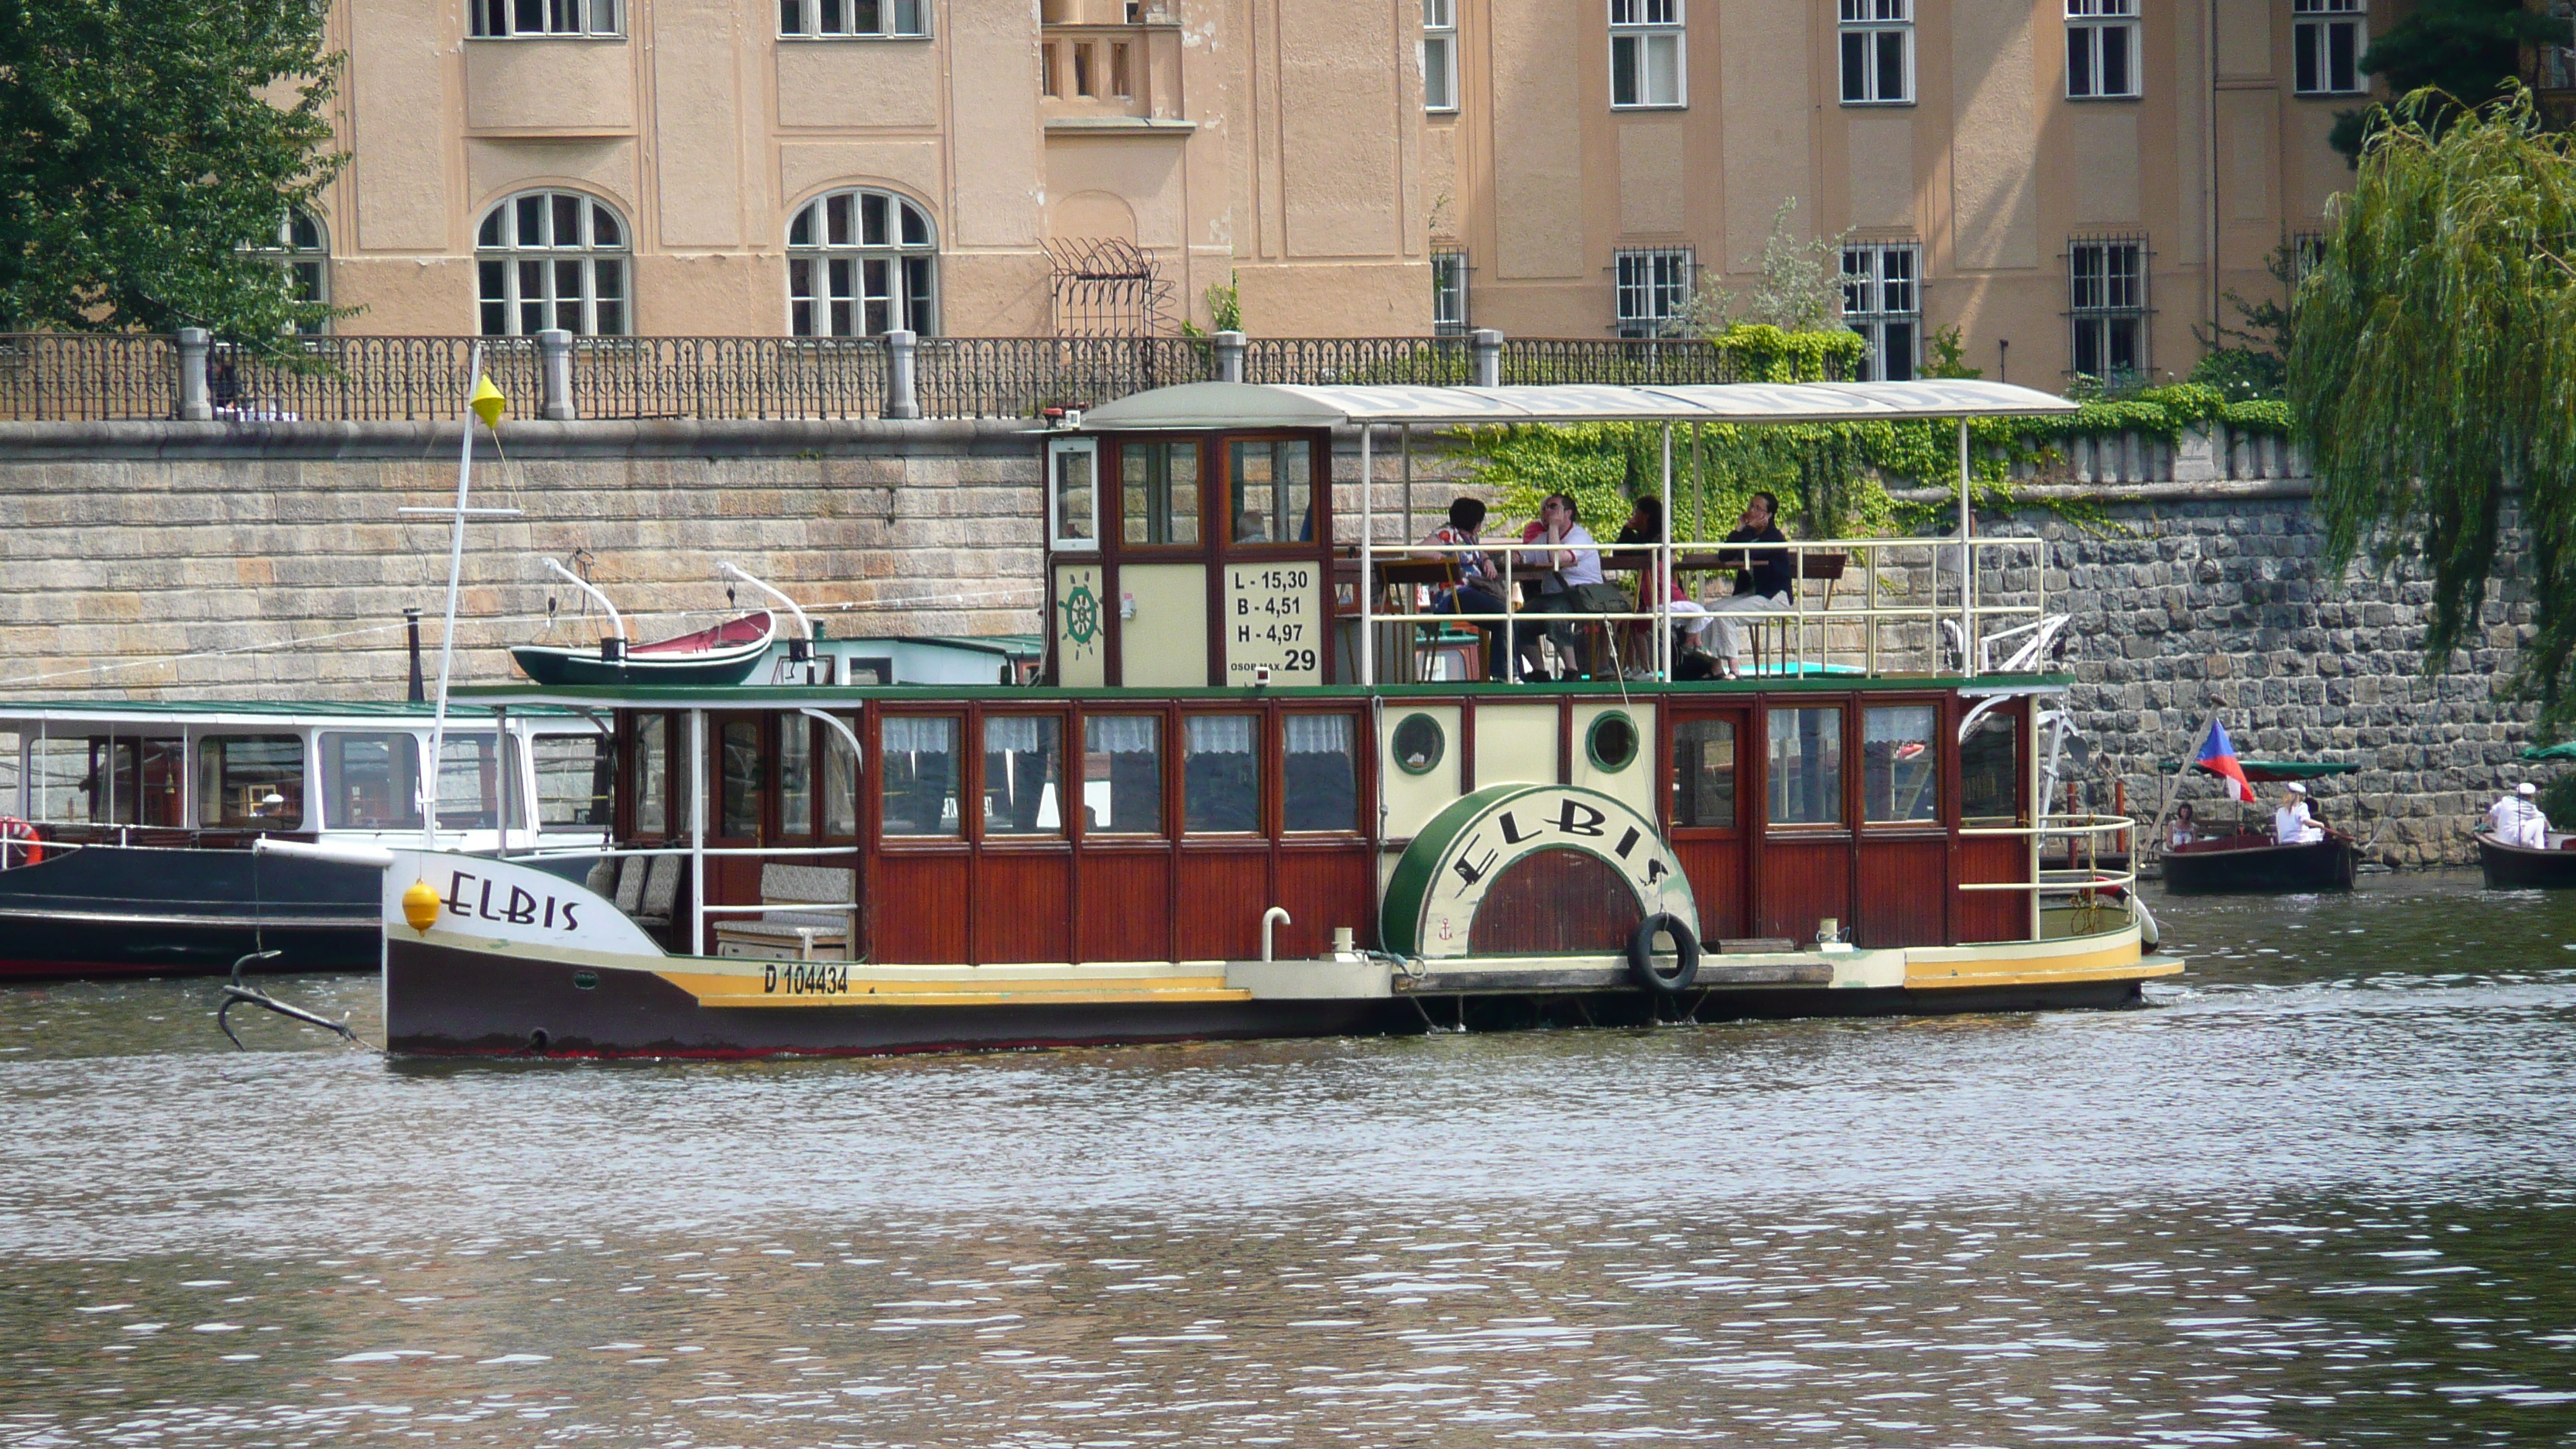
(2526, 788)
(2297, 789)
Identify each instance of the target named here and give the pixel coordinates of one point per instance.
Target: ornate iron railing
(367, 379)
(1018, 377)
(76, 377)
(728, 377)
(1624, 361)
(1356, 361)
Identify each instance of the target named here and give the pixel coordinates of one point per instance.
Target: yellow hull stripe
(2120, 962)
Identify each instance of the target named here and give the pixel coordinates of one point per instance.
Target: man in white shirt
(1568, 559)
(2291, 824)
(2516, 819)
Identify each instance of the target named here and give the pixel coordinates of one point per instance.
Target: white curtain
(1319, 734)
(1122, 734)
(1010, 732)
(1220, 734)
(915, 734)
(1897, 723)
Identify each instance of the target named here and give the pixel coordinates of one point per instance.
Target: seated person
(1568, 564)
(2182, 824)
(1762, 584)
(2517, 820)
(2292, 824)
(1478, 590)
(1690, 621)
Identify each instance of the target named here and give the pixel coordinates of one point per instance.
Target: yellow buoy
(420, 906)
(488, 402)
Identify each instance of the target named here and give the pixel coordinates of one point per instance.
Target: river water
(2321, 1192)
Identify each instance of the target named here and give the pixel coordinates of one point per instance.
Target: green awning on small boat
(2271, 772)
(2565, 750)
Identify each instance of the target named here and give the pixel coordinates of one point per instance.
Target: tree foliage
(2434, 361)
(1799, 288)
(2467, 51)
(147, 150)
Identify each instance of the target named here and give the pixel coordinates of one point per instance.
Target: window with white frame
(1878, 52)
(861, 262)
(2558, 62)
(2107, 293)
(1439, 55)
(554, 259)
(304, 250)
(2327, 38)
(1654, 289)
(2101, 49)
(1883, 302)
(1449, 292)
(502, 19)
(830, 18)
(1646, 59)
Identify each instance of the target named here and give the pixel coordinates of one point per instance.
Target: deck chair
(822, 925)
(658, 891)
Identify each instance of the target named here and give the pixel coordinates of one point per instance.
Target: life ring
(19, 843)
(1641, 954)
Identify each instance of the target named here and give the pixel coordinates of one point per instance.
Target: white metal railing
(2085, 880)
(1920, 582)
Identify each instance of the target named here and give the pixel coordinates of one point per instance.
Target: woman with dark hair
(1477, 590)
(1690, 622)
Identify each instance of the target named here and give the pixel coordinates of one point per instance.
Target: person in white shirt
(2291, 824)
(1569, 559)
(2182, 828)
(2516, 819)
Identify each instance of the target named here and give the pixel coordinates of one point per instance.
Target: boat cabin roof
(175, 712)
(1199, 405)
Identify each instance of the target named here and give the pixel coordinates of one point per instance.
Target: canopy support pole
(697, 832)
(1368, 553)
(1967, 565)
(1663, 573)
(1405, 432)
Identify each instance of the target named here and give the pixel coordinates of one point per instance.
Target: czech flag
(2218, 756)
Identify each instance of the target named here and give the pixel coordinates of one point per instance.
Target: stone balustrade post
(554, 367)
(1229, 357)
(1488, 345)
(903, 398)
(196, 405)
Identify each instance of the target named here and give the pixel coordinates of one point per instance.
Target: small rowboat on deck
(720, 654)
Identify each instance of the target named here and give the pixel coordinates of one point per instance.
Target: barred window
(1439, 55)
(303, 250)
(2107, 287)
(2307, 253)
(1654, 289)
(2327, 38)
(861, 263)
(1646, 57)
(501, 19)
(2102, 49)
(853, 17)
(1878, 52)
(2558, 62)
(1449, 292)
(553, 259)
(1883, 302)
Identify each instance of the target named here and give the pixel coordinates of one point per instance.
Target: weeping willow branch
(2434, 369)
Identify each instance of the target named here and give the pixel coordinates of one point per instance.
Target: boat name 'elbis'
(519, 908)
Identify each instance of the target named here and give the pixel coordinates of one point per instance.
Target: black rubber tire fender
(1641, 954)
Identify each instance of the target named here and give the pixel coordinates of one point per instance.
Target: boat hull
(2512, 867)
(2326, 865)
(106, 910)
(560, 667)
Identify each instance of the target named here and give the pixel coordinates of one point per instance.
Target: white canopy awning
(1257, 405)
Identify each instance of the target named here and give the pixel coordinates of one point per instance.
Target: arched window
(553, 259)
(303, 249)
(860, 263)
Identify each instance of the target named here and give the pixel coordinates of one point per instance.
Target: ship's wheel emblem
(1081, 609)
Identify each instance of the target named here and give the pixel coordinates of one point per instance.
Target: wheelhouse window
(795, 775)
(652, 774)
(1806, 765)
(1220, 774)
(1023, 774)
(1439, 55)
(1449, 292)
(1900, 764)
(861, 263)
(1158, 499)
(1274, 490)
(1877, 52)
(250, 782)
(1122, 774)
(576, 782)
(853, 18)
(1646, 54)
(1653, 288)
(1704, 774)
(840, 780)
(1990, 770)
(1073, 492)
(920, 767)
(2101, 49)
(553, 259)
(103, 780)
(11, 747)
(2327, 39)
(2107, 290)
(742, 773)
(505, 19)
(477, 784)
(1319, 781)
(1883, 302)
(370, 781)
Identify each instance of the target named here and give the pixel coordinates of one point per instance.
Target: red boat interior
(749, 629)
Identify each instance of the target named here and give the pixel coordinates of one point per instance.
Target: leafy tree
(1799, 288)
(146, 150)
(2433, 362)
(2251, 360)
(2468, 50)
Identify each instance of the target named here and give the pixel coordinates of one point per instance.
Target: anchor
(236, 992)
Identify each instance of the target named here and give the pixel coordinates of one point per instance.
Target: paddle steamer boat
(1239, 804)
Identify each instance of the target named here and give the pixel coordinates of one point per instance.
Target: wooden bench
(824, 925)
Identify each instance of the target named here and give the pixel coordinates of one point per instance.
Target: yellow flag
(487, 402)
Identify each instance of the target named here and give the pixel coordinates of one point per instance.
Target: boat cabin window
(10, 776)
(370, 781)
(250, 782)
(920, 767)
(1900, 763)
(1220, 774)
(742, 771)
(1274, 486)
(1806, 765)
(1023, 774)
(104, 780)
(576, 782)
(652, 774)
(1122, 774)
(1159, 493)
(476, 782)
(840, 781)
(1990, 770)
(795, 775)
(1072, 492)
(1320, 784)
(1704, 774)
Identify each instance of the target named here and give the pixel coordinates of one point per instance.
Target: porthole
(1611, 742)
(1419, 744)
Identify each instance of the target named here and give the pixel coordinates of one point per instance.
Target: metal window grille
(2307, 252)
(1439, 55)
(1653, 286)
(1107, 287)
(2102, 49)
(1883, 302)
(853, 17)
(860, 263)
(502, 19)
(553, 259)
(1647, 58)
(1877, 38)
(2327, 38)
(2107, 296)
(2557, 70)
(1449, 292)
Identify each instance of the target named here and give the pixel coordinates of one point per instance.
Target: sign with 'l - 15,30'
(1274, 619)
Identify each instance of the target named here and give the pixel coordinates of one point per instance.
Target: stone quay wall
(176, 560)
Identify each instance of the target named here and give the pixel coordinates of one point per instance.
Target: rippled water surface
(2318, 1194)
